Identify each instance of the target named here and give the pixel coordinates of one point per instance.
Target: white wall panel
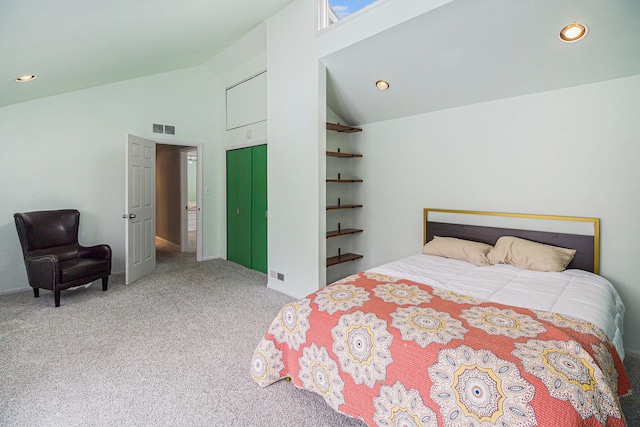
(247, 102)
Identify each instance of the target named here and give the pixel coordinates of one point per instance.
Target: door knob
(130, 216)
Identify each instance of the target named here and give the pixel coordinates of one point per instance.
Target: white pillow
(465, 250)
(530, 255)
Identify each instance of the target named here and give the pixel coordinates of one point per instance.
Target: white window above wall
(332, 11)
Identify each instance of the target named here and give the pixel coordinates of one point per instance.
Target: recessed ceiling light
(382, 85)
(572, 32)
(26, 78)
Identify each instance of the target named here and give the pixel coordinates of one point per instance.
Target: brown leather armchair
(52, 255)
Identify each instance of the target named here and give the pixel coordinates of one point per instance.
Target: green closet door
(259, 208)
(239, 206)
(247, 207)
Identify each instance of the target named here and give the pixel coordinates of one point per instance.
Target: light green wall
(68, 151)
(529, 154)
(243, 59)
(525, 154)
(578, 162)
(296, 114)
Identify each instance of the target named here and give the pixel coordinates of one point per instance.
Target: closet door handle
(237, 211)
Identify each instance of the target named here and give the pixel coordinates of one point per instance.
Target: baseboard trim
(209, 258)
(15, 291)
(279, 286)
(632, 352)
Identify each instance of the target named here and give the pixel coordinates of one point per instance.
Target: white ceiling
(471, 51)
(76, 44)
(465, 52)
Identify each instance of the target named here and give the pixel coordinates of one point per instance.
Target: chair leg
(57, 298)
(105, 280)
(36, 292)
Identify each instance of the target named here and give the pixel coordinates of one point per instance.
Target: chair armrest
(97, 251)
(43, 271)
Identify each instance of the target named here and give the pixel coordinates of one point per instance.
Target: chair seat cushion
(81, 267)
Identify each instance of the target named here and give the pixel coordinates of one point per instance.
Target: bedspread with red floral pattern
(393, 352)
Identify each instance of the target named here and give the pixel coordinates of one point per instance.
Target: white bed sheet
(575, 293)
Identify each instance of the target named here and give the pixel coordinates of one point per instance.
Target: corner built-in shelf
(338, 189)
(339, 259)
(340, 154)
(334, 207)
(337, 127)
(343, 232)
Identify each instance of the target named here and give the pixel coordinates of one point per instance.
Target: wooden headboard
(588, 246)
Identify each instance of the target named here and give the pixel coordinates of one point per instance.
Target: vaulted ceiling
(471, 51)
(464, 52)
(76, 44)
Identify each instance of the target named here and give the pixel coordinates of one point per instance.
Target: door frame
(199, 148)
(184, 196)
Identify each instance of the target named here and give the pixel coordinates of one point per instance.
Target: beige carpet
(172, 349)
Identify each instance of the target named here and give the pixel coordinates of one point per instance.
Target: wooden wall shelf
(341, 154)
(343, 232)
(339, 259)
(349, 171)
(334, 207)
(342, 128)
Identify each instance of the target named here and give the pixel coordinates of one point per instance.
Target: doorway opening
(178, 191)
(149, 179)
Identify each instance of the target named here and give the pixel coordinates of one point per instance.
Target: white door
(140, 204)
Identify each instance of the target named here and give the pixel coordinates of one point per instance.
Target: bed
(487, 326)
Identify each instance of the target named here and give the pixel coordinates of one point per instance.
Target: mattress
(575, 293)
(392, 351)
